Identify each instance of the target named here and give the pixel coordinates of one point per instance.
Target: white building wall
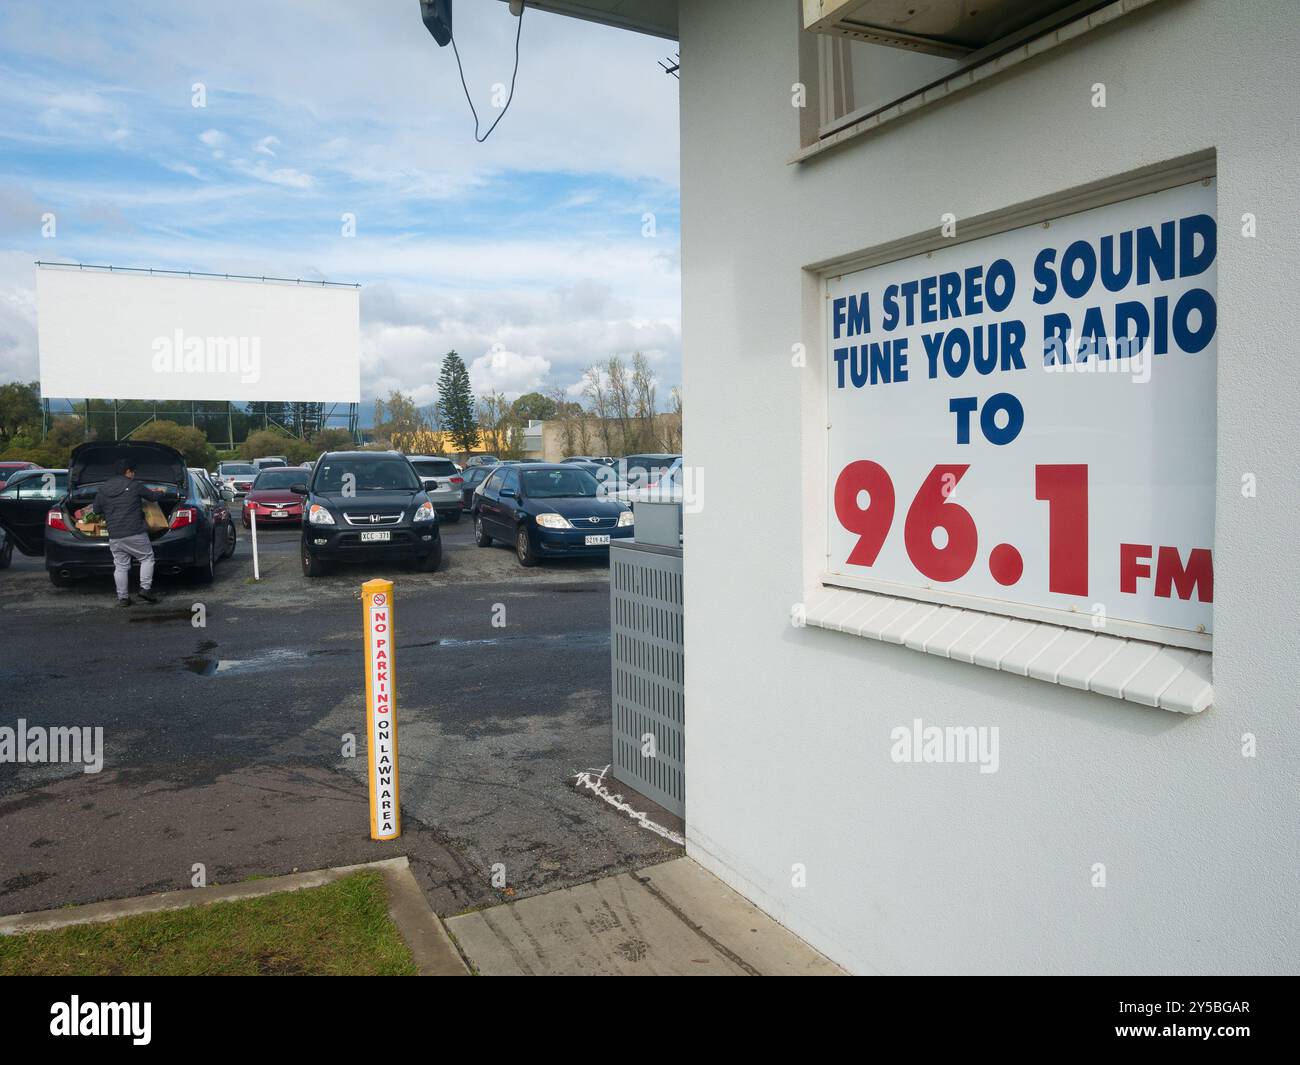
(937, 868)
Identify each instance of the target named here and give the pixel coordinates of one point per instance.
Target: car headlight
(553, 521)
(425, 512)
(318, 515)
(626, 518)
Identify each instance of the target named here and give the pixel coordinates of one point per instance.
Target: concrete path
(672, 919)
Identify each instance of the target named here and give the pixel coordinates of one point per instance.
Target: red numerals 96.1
(1063, 487)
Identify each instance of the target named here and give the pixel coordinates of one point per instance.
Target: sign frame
(821, 275)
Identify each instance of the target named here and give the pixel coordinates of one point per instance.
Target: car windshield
(362, 474)
(283, 478)
(434, 467)
(236, 469)
(267, 464)
(558, 484)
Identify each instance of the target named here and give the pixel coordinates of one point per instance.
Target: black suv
(367, 505)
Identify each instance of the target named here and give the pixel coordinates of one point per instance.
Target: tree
(499, 428)
(20, 410)
(398, 416)
(594, 388)
(332, 440)
(456, 403)
(188, 440)
(264, 442)
(643, 403)
(533, 406)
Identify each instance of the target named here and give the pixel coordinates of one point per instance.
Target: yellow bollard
(381, 709)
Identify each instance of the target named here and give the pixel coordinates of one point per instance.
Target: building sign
(1029, 418)
(381, 710)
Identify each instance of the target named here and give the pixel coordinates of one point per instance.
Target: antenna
(672, 66)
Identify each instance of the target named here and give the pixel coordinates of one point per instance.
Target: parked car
(470, 480)
(268, 462)
(644, 471)
(273, 499)
(547, 510)
(442, 481)
(239, 475)
(661, 486)
(481, 460)
(8, 469)
(604, 460)
(367, 505)
(24, 501)
(200, 528)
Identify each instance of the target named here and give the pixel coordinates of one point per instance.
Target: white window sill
(1171, 678)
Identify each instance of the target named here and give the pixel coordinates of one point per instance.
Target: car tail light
(458, 480)
(182, 516)
(54, 519)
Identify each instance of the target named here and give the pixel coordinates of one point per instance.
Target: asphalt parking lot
(223, 743)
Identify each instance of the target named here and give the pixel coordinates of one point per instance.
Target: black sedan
(470, 480)
(200, 529)
(548, 510)
(367, 505)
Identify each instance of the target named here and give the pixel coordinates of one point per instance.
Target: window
(434, 467)
(876, 60)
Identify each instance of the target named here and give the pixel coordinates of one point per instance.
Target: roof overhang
(655, 17)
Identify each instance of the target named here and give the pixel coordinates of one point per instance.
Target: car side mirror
(228, 494)
(298, 489)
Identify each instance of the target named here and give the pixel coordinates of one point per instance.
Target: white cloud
(509, 372)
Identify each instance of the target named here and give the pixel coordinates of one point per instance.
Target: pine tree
(456, 403)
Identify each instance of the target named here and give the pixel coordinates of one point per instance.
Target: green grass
(341, 929)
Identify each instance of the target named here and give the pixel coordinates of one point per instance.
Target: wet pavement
(224, 745)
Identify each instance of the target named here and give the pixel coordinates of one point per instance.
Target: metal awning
(950, 28)
(655, 17)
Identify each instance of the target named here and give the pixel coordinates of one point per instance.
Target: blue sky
(526, 254)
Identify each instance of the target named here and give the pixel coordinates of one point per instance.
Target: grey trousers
(124, 550)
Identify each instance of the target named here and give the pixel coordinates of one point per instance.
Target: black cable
(474, 111)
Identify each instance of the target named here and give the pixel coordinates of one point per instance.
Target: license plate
(598, 540)
(279, 513)
(374, 537)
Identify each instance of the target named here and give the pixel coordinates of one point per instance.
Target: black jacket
(121, 501)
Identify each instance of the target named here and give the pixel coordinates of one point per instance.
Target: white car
(442, 483)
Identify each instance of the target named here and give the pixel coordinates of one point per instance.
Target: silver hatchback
(442, 483)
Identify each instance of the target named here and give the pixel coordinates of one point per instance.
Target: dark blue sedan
(548, 510)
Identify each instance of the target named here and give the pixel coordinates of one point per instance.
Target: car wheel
(58, 580)
(6, 554)
(231, 543)
(205, 571)
(433, 559)
(524, 548)
(311, 565)
(480, 537)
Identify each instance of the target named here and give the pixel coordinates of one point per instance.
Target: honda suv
(367, 505)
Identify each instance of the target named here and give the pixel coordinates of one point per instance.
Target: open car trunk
(157, 466)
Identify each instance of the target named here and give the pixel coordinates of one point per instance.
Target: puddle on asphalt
(204, 662)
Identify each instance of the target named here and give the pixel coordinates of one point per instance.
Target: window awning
(949, 28)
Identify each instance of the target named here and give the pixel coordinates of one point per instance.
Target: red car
(271, 499)
(8, 469)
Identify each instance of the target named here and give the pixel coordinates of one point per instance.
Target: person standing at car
(121, 501)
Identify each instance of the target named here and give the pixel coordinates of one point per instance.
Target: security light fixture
(437, 19)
